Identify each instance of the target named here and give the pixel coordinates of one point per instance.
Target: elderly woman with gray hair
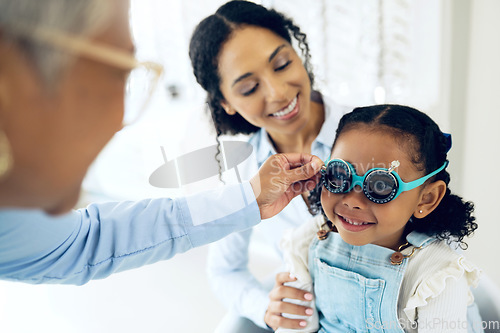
(63, 68)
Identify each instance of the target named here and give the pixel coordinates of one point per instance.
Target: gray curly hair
(77, 17)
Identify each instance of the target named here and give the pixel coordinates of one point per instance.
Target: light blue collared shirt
(102, 239)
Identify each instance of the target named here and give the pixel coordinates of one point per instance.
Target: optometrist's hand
(281, 178)
(277, 306)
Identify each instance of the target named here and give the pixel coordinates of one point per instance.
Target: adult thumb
(306, 171)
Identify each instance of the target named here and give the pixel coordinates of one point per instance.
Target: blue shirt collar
(418, 239)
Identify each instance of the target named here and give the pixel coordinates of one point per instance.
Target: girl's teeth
(287, 110)
(355, 223)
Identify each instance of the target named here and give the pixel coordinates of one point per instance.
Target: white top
(434, 292)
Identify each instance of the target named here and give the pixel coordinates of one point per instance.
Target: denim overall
(362, 284)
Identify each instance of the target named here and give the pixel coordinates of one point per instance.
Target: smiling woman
(274, 81)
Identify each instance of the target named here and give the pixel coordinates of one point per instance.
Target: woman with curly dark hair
(386, 219)
(258, 85)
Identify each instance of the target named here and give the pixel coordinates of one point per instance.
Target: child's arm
(295, 245)
(448, 311)
(440, 292)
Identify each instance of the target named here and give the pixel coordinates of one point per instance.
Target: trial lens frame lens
(343, 183)
(337, 176)
(380, 186)
(398, 187)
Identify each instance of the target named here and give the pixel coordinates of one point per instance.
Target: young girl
(378, 257)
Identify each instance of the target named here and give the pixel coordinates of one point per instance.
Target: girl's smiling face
(263, 79)
(358, 220)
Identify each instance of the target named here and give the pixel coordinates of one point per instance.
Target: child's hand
(277, 306)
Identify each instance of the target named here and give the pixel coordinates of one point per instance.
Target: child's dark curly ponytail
(451, 208)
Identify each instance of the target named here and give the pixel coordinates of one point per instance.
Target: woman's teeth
(287, 110)
(355, 223)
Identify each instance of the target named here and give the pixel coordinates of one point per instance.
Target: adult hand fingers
(304, 185)
(276, 320)
(302, 166)
(279, 310)
(283, 307)
(281, 291)
(281, 178)
(283, 277)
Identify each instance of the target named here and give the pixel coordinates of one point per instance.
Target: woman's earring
(229, 110)
(420, 211)
(6, 159)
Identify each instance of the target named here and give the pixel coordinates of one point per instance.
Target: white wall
(481, 136)
(171, 296)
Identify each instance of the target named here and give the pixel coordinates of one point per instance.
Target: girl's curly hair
(453, 219)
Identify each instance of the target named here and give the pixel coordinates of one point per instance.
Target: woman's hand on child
(278, 306)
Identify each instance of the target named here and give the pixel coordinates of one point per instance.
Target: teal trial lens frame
(379, 185)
